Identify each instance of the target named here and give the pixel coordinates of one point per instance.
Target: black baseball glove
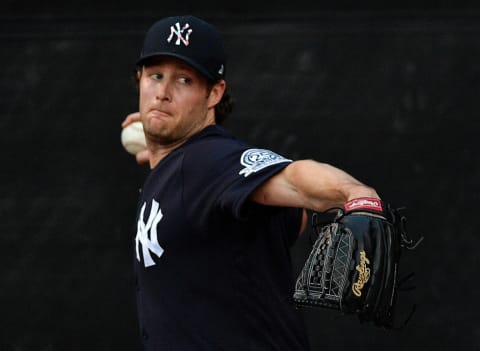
(353, 265)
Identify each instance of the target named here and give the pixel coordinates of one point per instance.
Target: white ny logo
(179, 33)
(149, 244)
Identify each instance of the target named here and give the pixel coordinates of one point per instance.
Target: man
(216, 216)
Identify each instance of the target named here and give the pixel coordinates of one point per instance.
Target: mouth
(155, 113)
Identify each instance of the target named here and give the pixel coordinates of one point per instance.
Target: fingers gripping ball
(133, 138)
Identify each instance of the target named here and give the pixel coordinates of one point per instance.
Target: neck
(158, 151)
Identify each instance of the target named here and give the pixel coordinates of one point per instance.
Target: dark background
(387, 92)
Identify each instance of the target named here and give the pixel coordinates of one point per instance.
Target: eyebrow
(161, 60)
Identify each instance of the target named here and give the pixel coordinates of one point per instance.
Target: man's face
(175, 101)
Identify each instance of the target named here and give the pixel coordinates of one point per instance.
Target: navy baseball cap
(190, 39)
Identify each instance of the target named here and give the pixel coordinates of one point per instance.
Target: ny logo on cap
(182, 34)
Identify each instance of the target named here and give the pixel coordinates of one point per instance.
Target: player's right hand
(132, 117)
(143, 156)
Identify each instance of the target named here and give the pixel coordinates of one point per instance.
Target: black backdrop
(389, 95)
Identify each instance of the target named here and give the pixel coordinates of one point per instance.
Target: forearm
(321, 185)
(314, 185)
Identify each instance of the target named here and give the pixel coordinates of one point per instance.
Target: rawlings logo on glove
(364, 274)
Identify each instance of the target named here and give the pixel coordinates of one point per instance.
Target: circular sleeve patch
(255, 160)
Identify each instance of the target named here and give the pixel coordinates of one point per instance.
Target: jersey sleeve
(230, 172)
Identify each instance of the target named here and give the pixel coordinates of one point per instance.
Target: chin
(158, 137)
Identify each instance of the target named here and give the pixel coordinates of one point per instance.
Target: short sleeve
(229, 173)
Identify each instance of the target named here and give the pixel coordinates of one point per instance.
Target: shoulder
(216, 152)
(214, 144)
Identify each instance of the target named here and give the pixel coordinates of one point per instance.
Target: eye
(156, 76)
(185, 80)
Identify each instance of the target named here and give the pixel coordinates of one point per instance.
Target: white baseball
(133, 138)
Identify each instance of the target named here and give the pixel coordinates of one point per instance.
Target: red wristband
(364, 203)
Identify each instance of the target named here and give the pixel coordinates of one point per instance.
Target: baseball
(133, 138)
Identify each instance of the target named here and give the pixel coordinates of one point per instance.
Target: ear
(216, 93)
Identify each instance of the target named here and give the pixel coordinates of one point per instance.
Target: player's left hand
(353, 265)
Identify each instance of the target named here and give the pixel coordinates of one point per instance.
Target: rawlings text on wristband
(364, 203)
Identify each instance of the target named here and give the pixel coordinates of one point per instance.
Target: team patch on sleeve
(255, 160)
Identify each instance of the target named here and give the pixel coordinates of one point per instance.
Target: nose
(163, 91)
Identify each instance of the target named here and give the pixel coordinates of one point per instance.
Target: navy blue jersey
(212, 268)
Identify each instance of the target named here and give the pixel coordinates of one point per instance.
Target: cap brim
(181, 57)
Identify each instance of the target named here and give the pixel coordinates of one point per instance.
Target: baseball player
(216, 216)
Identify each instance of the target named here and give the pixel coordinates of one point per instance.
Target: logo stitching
(149, 242)
(180, 32)
(255, 160)
(363, 274)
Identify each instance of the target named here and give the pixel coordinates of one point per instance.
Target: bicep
(278, 190)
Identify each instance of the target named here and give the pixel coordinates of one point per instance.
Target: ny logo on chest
(147, 234)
